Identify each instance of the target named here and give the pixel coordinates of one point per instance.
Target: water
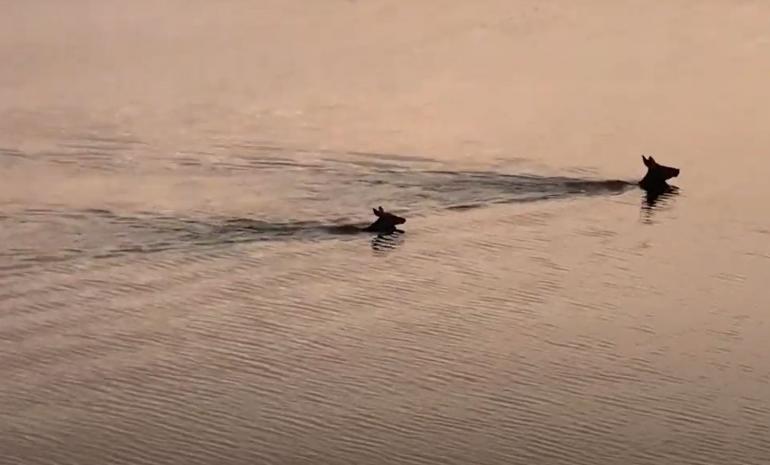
(181, 281)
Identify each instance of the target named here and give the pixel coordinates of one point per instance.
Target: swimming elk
(386, 222)
(657, 175)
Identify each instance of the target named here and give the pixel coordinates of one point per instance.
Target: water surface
(181, 281)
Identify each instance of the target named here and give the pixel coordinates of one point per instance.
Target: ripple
(503, 327)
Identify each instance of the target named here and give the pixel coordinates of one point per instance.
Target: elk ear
(646, 161)
(652, 160)
(381, 210)
(376, 213)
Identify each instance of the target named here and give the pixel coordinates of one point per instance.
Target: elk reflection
(386, 242)
(654, 200)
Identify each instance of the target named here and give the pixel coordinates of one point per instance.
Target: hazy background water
(172, 289)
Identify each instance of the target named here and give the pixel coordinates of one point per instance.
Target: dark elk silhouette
(654, 182)
(657, 174)
(386, 222)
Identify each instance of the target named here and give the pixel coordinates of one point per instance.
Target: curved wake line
(102, 233)
(465, 190)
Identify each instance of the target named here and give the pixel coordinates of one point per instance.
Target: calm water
(177, 285)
